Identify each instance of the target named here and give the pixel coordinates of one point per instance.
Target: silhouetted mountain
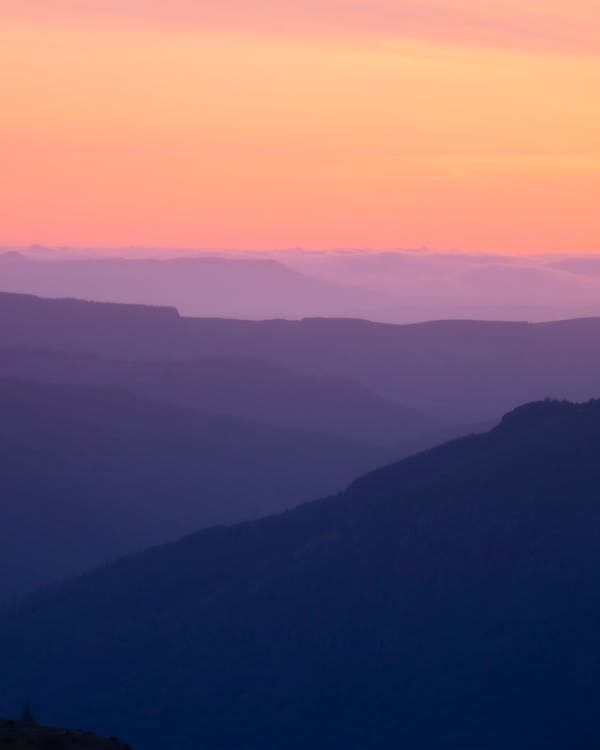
(29, 736)
(90, 473)
(459, 371)
(249, 388)
(449, 600)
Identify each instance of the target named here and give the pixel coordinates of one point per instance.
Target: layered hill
(457, 371)
(450, 599)
(393, 287)
(243, 387)
(208, 286)
(91, 472)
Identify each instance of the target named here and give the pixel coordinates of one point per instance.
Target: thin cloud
(561, 25)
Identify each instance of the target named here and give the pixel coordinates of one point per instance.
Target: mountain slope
(90, 473)
(448, 600)
(457, 371)
(243, 387)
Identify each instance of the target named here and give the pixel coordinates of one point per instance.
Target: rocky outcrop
(25, 735)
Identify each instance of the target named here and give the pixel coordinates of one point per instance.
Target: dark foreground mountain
(29, 736)
(90, 473)
(457, 371)
(450, 600)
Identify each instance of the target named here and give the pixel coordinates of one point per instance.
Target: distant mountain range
(584, 266)
(89, 473)
(393, 287)
(449, 600)
(230, 287)
(453, 371)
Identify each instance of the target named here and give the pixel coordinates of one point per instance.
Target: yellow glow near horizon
(116, 134)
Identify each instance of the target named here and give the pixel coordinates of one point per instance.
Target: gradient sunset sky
(471, 124)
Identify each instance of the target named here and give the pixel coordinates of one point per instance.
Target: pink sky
(263, 124)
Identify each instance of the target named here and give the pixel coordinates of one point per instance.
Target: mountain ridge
(458, 584)
(488, 368)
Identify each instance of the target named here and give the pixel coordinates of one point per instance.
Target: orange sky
(265, 124)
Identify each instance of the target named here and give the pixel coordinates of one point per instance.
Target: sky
(264, 124)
